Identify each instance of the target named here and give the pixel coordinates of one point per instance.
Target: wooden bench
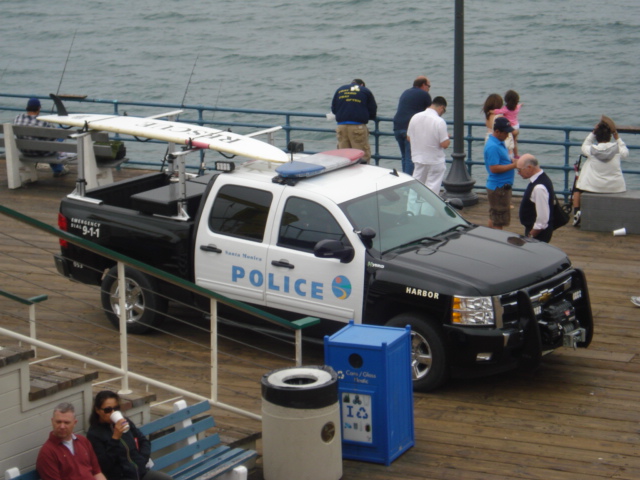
(196, 458)
(98, 161)
(178, 447)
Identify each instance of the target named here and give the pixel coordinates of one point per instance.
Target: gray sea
(570, 60)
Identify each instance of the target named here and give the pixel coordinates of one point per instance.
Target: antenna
(184, 97)
(66, 61)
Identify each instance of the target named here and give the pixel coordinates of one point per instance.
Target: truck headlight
(473, 311)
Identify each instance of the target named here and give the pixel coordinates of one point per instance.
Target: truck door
(231, 250)
(296, 279)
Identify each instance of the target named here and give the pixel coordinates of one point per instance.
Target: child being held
(510, 110)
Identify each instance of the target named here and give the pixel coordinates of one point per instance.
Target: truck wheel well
(429, 357)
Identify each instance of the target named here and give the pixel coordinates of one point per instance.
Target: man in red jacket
(65, 455)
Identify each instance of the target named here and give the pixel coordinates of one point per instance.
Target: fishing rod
(66, 61)
(4, 71)
(184, 97)
(65, 65)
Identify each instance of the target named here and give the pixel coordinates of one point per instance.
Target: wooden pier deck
(576, 417)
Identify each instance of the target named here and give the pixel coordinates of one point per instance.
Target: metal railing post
(32, 325)
(214, 349)
(122, 299)
(298, 348)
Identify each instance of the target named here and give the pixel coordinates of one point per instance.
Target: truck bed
(153, 194)
(137, 217)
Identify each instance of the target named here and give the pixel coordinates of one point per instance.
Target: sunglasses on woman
(110, 409)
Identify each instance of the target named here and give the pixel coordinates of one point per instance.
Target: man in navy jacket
(354, 105)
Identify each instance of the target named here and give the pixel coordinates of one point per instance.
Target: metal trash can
(300, 424)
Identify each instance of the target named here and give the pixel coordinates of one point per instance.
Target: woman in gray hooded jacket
(602, 172)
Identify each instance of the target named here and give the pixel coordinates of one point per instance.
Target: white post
(298, 348)
(214, 350)
(32, 325)
(122, 299)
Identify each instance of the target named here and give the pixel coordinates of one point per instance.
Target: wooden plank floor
(577, 417)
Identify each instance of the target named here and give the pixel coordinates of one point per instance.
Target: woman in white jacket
(602, 172)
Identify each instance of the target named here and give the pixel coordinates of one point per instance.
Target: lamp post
(458, 183)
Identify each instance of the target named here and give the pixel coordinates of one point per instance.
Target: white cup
(619, 232)
(116, 416)
(331, 117)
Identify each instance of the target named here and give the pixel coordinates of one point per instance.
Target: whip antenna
(66, 61)
(189, 83)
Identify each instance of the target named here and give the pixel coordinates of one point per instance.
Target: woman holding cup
(122, 451)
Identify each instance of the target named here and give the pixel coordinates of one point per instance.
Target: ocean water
(570, 61)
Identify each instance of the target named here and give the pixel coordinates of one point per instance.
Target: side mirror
(334, 249)
(367, 234)
(455, 203)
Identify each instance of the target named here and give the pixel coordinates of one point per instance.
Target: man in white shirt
(429, 138)
(536, 209)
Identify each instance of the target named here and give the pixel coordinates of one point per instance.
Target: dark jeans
(405, 151)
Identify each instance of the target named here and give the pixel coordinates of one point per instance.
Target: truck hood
(477, 262)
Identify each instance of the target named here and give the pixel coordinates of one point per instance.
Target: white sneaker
(635, 301)
(66, 156)
(576, 218)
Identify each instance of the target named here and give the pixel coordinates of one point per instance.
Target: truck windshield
(402, 215)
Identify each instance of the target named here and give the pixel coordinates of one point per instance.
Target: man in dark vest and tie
(536, 209)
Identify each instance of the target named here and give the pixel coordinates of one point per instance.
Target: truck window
(240, 212)
(402, 214)
(305, 223)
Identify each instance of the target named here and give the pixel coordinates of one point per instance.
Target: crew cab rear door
(299, 281)
(232, 240)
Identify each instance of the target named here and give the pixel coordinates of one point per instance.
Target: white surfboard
(176, 132)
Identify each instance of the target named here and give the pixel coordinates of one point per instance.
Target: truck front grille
(540, 295)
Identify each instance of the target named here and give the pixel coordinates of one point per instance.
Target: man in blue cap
(30, 118)
(501, 169)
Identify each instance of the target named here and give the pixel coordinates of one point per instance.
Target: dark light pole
(458, 183)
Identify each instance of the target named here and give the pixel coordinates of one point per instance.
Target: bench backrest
(55, 140)
(178, 436)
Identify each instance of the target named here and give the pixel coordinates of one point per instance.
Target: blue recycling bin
(373, 365)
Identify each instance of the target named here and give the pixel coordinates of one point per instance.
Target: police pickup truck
(360, 242)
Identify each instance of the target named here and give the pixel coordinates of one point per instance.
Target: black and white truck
(361, 242)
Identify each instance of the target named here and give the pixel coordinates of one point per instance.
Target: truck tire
(429, 365)
(145, 309)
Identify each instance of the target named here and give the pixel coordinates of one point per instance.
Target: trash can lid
(301, 387)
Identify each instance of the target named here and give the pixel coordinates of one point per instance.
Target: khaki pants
(354, 136)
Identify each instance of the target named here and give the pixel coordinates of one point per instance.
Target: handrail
(31, 303)
(118, 257)
(122, 260)
(300, 122)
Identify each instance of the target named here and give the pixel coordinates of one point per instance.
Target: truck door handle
(281, 263)
(210, 248)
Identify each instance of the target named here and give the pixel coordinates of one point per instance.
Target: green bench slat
(30, 475)
(185, 452)
(181, 434)
(176, 417)
(213, 466)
